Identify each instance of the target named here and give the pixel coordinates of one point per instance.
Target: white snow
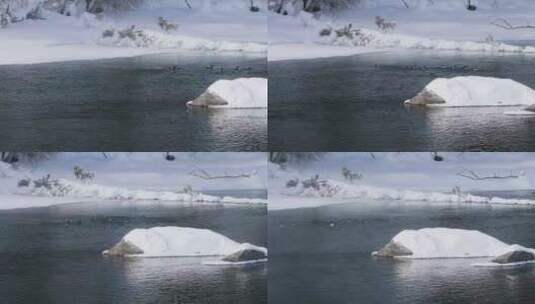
(344, 191)
(183, 242)
(469, 91)
(435, 243)
(404, 177)
(124, 176)
(439, 26)
(207, 27)
(77, 190)
(241, 92)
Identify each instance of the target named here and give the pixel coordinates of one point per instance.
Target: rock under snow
(181, 241)
(245, 255)
(431, 243)
(470, 91)
(237, 93)
(515, 256)
(444, 243)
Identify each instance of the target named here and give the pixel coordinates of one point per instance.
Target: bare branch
(474, 176)
(201, 173)
(503, 23)
(188, 4)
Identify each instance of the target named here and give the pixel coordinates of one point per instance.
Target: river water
(322, 255)
(356, 104)
(53, 255)
(127, 104)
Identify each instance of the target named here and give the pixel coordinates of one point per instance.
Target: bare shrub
(83, 175)
(166, 25)
(326, 32)
(350, 175)
(383, 25)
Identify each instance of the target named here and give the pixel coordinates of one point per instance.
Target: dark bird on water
(174, 68)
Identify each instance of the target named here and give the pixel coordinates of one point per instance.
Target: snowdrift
(67, 188)
(470, 91)
(146, 38)
(237, 93)
(429, 243)
(184, 242)
(339, 190)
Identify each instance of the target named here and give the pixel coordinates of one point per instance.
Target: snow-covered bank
(206, 27)
(237, 93)
(179, 242)
(344, 191)
(474, 91)
(432, 243)
(75, 190)
(131, 176)
(438, 26)
(415, 177)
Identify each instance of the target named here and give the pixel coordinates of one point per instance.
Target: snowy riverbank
(206, 27)
(131, 176)
(410, 177)
(444, 26)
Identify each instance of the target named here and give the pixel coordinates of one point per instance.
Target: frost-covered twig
(188, 4)
(474, 176)
(503, 23)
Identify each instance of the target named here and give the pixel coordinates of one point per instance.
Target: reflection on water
(53, 255)
(127, 104)
(355, 103)
(320, 255)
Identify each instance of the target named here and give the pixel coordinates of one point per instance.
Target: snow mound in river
(176, 242)
(469, 91)
(449, 243)
(429, 243)
(237, 93)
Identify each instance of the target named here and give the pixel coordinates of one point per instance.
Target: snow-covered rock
(237, 93)
(429, 243)
(515, 256)
(469, 91)
(180, 241)
(447, 243)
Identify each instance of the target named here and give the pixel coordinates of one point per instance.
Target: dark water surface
(127, 104)
(312, 262)
(355, 104)
(53, 255)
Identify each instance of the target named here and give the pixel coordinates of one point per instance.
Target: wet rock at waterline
(514, 257)
(393, 249)
(245, 255)
(425, 97)
(123, 248)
